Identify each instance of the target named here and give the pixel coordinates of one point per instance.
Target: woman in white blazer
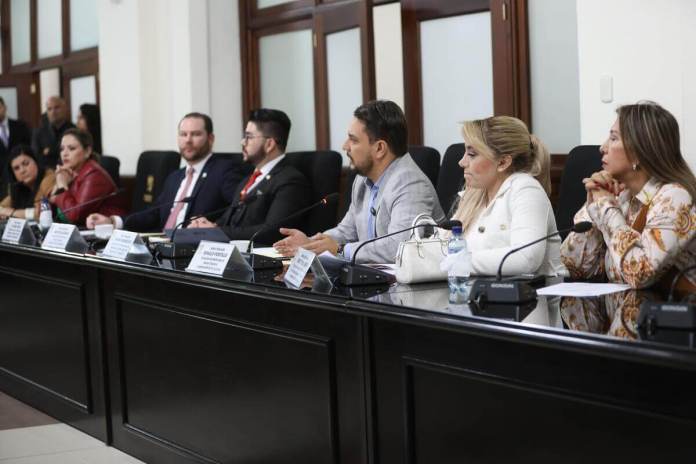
(505, 203)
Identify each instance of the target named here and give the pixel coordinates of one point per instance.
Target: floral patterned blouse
(613, 248)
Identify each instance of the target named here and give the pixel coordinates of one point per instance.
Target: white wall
(553, 60)
(647, 48)
(160, 59)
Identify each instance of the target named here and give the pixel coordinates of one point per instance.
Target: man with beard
(389, 192)
(275, 190)
(207, 183)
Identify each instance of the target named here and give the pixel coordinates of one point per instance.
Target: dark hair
(22, 196)
(2, 101)
(384, 120)
(93, 119)
(207, 122)
(274, 124)
(650, 135)
(85, 139)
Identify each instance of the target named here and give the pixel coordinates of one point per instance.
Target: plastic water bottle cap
(457, 230)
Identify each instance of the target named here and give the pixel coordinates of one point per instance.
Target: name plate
(303, 261)
(13, 230)
(217, 258)
(64, 237)
(126, 246)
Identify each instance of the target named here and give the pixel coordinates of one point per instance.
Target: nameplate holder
(127, 246)
(220, 259)
(300, 265)
(17, 231)
(64, 237)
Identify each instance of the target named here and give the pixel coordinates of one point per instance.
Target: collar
(648, 192)
(268, 167)
(385, 174)
(198, 165)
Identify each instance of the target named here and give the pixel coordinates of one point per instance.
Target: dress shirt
(520, 213)
(265, 169)
(615, 250)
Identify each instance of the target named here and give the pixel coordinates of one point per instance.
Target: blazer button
(482, 229)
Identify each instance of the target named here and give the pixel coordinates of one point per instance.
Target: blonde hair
(494, 138)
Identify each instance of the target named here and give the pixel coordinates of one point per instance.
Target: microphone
(669, 315)
(356, 274)
(484, 291)
(264, 262)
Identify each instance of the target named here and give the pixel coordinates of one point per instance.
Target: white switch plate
(606, 89)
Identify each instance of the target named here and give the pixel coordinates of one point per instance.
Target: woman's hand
(64, 177)
(601, 184)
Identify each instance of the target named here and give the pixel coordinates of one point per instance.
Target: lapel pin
(204, 175)
(481, 229)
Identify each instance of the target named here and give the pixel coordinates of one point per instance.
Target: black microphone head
(330, 197)
(450, 224)
(582, 227)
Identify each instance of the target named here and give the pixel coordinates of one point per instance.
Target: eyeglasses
(247, 137)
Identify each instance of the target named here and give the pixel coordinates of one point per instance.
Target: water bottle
(458, 275)
(45, 215)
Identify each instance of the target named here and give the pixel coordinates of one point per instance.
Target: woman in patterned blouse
(641, 205)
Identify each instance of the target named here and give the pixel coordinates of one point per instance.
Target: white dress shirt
(520, 213)
(265, 170)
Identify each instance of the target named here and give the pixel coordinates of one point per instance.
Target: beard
(198, 154)
(255, 157)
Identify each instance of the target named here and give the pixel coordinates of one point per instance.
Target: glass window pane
(82, 90)
(50, 28)
(49, 85)
(266, 3)
(345, 83)
(389, 64)
(20, 30)
(84, 24)
(457, 75)
(287, 83)
(9, 94)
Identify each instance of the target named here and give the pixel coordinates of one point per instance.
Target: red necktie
(249, 183)
(171, 220)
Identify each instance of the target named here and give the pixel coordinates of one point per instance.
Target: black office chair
(112, 165)
(582, 161)
(323, 171)
(450, 180)
(238, 159)
(153, 169)
(428, 159)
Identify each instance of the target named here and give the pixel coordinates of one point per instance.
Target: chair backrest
(323, 171)
(450, 180)
(428, 159)
(582, 161)
(112, 165)
(153, 169)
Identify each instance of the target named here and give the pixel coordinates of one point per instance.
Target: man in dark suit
(46, 139)
(12, 132)
(274, 191)
(207, 183)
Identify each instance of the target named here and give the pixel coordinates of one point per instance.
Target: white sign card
(303, 261)
(64, 237)
(216, 258)
(126, 246)
(13, 230)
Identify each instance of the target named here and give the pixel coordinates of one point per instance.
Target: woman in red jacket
(81, 179)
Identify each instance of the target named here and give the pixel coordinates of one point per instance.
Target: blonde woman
(505, 203)
(641, 205)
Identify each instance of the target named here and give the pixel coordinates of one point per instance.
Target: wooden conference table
(174, 367)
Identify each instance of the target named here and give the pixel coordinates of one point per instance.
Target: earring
(635, 166)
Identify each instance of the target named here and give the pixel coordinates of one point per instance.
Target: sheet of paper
(582, 289)
(268, 251)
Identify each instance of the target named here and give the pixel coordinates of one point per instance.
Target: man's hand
(293, 239)
(201, 223)
(321, 243)
(96, 219)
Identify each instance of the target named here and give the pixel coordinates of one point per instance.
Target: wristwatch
(339, 250)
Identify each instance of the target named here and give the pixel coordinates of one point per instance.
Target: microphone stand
(356, 274)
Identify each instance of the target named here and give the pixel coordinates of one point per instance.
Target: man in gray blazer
(389, 192)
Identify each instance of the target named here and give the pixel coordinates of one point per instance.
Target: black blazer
(45, 136)
(215, 188)
(19, 133)
(280, 193)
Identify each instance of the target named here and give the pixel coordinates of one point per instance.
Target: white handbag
(418, 259)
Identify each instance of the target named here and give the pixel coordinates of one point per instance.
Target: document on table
(269, 252)
(582, 289)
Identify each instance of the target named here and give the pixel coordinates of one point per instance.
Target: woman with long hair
(641, 205)
(29, 183)
(505, 203)
(89, 119)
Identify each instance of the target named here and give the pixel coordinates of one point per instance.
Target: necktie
(249, 183)
(3, 135)
(171, 220)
